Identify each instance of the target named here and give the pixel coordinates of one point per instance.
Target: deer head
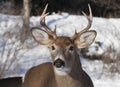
(64, 50)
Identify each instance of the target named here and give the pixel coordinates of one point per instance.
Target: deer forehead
(63, 41)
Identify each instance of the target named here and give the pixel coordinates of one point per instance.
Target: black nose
(59, 63)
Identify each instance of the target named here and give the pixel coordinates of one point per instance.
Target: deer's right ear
(41, 36)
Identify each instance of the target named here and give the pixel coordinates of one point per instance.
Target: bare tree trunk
(25, 31)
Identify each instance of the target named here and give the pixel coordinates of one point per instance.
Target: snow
(107, 33)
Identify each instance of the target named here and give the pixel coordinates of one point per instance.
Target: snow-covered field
(108, 31)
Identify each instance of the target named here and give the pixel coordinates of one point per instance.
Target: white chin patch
(62, 71)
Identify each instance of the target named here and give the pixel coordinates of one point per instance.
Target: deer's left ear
(85, 39)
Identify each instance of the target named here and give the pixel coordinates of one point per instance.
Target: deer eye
(53, 48)
(71, 48)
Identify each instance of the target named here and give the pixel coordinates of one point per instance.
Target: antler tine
(89, 18)
(42, 22)
(42, 19)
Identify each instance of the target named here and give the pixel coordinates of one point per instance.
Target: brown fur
(43, 76)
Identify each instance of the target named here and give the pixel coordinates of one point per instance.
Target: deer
(65, 70)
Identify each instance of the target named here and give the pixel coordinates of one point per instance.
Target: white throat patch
(62, 71)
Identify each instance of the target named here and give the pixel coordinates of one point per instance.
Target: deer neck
(72, 79)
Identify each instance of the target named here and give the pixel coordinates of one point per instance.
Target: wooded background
(100, 8)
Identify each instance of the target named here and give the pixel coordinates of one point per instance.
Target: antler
(89, 18)
(42, 22)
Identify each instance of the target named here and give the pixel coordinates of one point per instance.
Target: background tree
(25, 31)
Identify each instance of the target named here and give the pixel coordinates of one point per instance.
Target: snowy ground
(108, 33)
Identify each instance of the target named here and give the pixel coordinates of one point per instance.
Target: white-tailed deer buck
(65, 70)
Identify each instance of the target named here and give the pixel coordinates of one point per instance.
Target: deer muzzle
(59, 63)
